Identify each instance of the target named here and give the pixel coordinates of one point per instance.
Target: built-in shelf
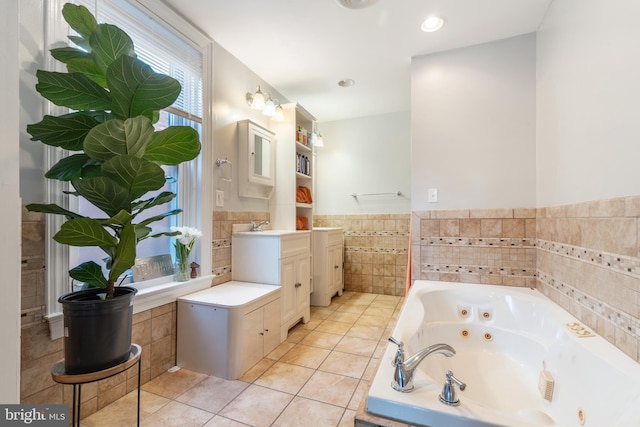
(304, 205)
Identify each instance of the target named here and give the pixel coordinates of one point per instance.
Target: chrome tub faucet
(404, 369)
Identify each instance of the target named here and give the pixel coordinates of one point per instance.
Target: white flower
(187, 234)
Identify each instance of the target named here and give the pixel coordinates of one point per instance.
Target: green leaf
(52, 209)
(89, 272)
(66, 131)
(80, 19)
(84, 232)
(173, 145)
(117, 137)
(72, 90)
(121, 218)
(137, 90)
(70, 167)
(142, 232)
(104, 193)
(89, 68)
(68, 53)
(160, 199)
(159, 217)
(126, 252)
(138, 176)
(109, 43)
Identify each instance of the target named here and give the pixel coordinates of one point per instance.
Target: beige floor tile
(305, 412)
(257, 406)
(333, 327)
(352, 308)
(344, 317)
(280, 350)
(177, 414)
(363, 298)
(297, 334)
(320, 313)
(321, 339)
(311, 324)
(330, 388)
(347, 364)
(256, 370)
(212, 394)
(381, 347)
(219, 421)
(366, 331)
(307, 356)
(355, 345)
(378, 312)
(372, 320)
(359, 395)
(123, 412)
(371, 370)
(173, 384)
(285, 377)
(348, 419)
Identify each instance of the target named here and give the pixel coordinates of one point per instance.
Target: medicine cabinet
(257, 160)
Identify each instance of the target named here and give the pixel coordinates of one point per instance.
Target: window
(170, 46)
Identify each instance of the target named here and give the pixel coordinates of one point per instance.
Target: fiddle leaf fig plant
(114, 153)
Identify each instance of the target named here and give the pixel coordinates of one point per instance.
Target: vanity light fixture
(432, 23)
(269, 108)
(256, 100)
(279, 116)
(319, 141)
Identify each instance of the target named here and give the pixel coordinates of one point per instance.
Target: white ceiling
(304, 47)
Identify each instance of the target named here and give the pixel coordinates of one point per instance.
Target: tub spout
(404, 369)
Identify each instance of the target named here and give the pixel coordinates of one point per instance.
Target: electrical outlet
(219, 198)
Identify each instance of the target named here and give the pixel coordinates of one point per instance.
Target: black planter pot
(97, 332)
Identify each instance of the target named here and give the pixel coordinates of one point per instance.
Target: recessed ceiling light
(346, 82)
(356, 4)
(432, 23)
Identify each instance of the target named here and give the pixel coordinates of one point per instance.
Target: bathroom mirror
(257, 168)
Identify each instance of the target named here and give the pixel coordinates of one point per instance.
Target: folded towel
(303, 195)
(302, 223)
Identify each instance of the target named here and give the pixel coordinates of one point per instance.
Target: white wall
(364, 155)
(473, 126)
(10, 213)
(588, 131)
(232, 80)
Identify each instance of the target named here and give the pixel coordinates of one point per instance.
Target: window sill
(148, 297)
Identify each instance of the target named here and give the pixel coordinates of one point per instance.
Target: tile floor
(317, 377)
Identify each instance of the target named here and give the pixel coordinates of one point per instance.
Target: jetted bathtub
(504, 337)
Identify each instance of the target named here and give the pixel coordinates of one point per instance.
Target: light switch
(432, 195)
(219, 198)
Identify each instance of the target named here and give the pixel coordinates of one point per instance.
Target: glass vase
(181, 271)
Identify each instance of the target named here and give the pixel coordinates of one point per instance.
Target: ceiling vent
(356, 4)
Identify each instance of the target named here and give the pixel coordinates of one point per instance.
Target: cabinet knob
(261, 333)
(335, 266)
(266, 330)
(297, 285)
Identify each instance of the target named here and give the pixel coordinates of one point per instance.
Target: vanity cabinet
(280, 258)
(296, 167)
(328, 265)
(256, 150)
(226, 329)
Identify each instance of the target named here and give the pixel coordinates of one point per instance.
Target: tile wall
(222, 228)
(489, 246)
(375, 251)
(588, 262)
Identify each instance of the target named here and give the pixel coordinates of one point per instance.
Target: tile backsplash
(375, 250)
(585, 257)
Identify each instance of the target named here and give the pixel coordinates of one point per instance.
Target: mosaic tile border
(390, 251)
(351, 233)
(627, 265)
(504, 242)
(620, 319)
(476, 269)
